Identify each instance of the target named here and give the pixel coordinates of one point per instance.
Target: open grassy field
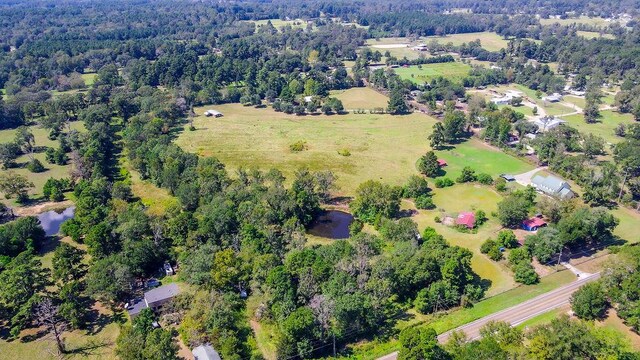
(418, 74)
(38, 179)
(489, 40)
(278, 23)
(594, 35)
(597, 21)
(575, 100)
(382, 147)
(525, 110)
(360, 98)
(89, 78)
(627, 229)
(482, 158)
(605, 127)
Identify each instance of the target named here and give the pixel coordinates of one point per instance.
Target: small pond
(332, 224)
(51, 220)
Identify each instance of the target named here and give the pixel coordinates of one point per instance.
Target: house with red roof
(533, 224)
(442, 162)
(467, 219)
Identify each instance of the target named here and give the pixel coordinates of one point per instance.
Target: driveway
(524, 179)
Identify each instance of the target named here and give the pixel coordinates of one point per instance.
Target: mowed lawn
(38, 179)
(382, 147)
(482, 158)
(490, 41)
(454, 71)
(605, 127)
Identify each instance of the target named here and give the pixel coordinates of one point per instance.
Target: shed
(467, 219)
(214, 113)
(168, 269)
(205, 352)
(533, 224)
(442, 162)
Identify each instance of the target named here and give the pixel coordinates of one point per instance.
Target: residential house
(153, 299)
(205, 352)
(548, 122)
(555, 97)
(467, 219)
(553, 186)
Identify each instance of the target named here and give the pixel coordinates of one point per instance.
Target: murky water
(51, 220)
(332, 224)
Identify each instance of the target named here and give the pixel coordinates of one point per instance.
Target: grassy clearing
(489, 40)
(628, 227)
(382, 147)
(279, 24)
(469, 197)
(388, 41)
(577, 101)
(156, 199)
(89, 78)
(597, 21)
(605, 127)
(594, 35)
(482, 158)
(424, 73)
(543, 318)
(525, 110)
(361, 98)
(38, 179)
(80, 343)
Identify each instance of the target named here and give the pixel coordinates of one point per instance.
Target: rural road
(519, 313)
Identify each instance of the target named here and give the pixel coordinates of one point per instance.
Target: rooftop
(466, 218)
(205, 352)
(161, 293)
(534, 222)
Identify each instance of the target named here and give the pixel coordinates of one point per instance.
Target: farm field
(489, 40)
(482, 158)
(382, 147)
(597, 21)
(605, 127)
(454, 71)
(41, 140)
(361, 98)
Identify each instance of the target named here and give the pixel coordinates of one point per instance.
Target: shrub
(507, 239)
(35, 166)
(481, 218)
(484, 179)
(355, 227)
(467, 175)
(344, 152)
(495, 254)
(487, 245)
(524, 273)
(519, 255)
(298, 146)
(425, 202)
(437, 219)
(443, 182)
(501, 184)
(71, 228)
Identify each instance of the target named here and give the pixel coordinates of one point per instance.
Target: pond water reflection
(51, 220)
(332, 224)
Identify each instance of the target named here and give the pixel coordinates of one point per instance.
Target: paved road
(519, 313)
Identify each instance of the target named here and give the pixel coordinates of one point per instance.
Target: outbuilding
(533, 224)
(205, 352)
(467, 219)
(214, 113)
(442, 162)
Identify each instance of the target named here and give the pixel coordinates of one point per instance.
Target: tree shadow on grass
(92, 347)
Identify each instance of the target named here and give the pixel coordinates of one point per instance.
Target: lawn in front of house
(381, 146)
(419, 74)
(605, 127)
(482, 158)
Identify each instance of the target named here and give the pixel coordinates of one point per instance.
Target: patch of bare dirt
(41, 207)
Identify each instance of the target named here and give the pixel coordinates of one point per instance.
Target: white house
(546, 123)
(555, 97)
(553, 186)
(205, 352)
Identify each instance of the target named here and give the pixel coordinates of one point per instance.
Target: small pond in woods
(332, 224)
(51, 220)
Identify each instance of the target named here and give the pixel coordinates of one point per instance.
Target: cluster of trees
(562, 338)
(617, 288)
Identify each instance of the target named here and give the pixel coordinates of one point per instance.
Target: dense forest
(242, 234)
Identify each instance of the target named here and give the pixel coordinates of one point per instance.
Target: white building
(205, 352)
(555, 97)
(214, 113)
(506, 99)
(546, 123)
